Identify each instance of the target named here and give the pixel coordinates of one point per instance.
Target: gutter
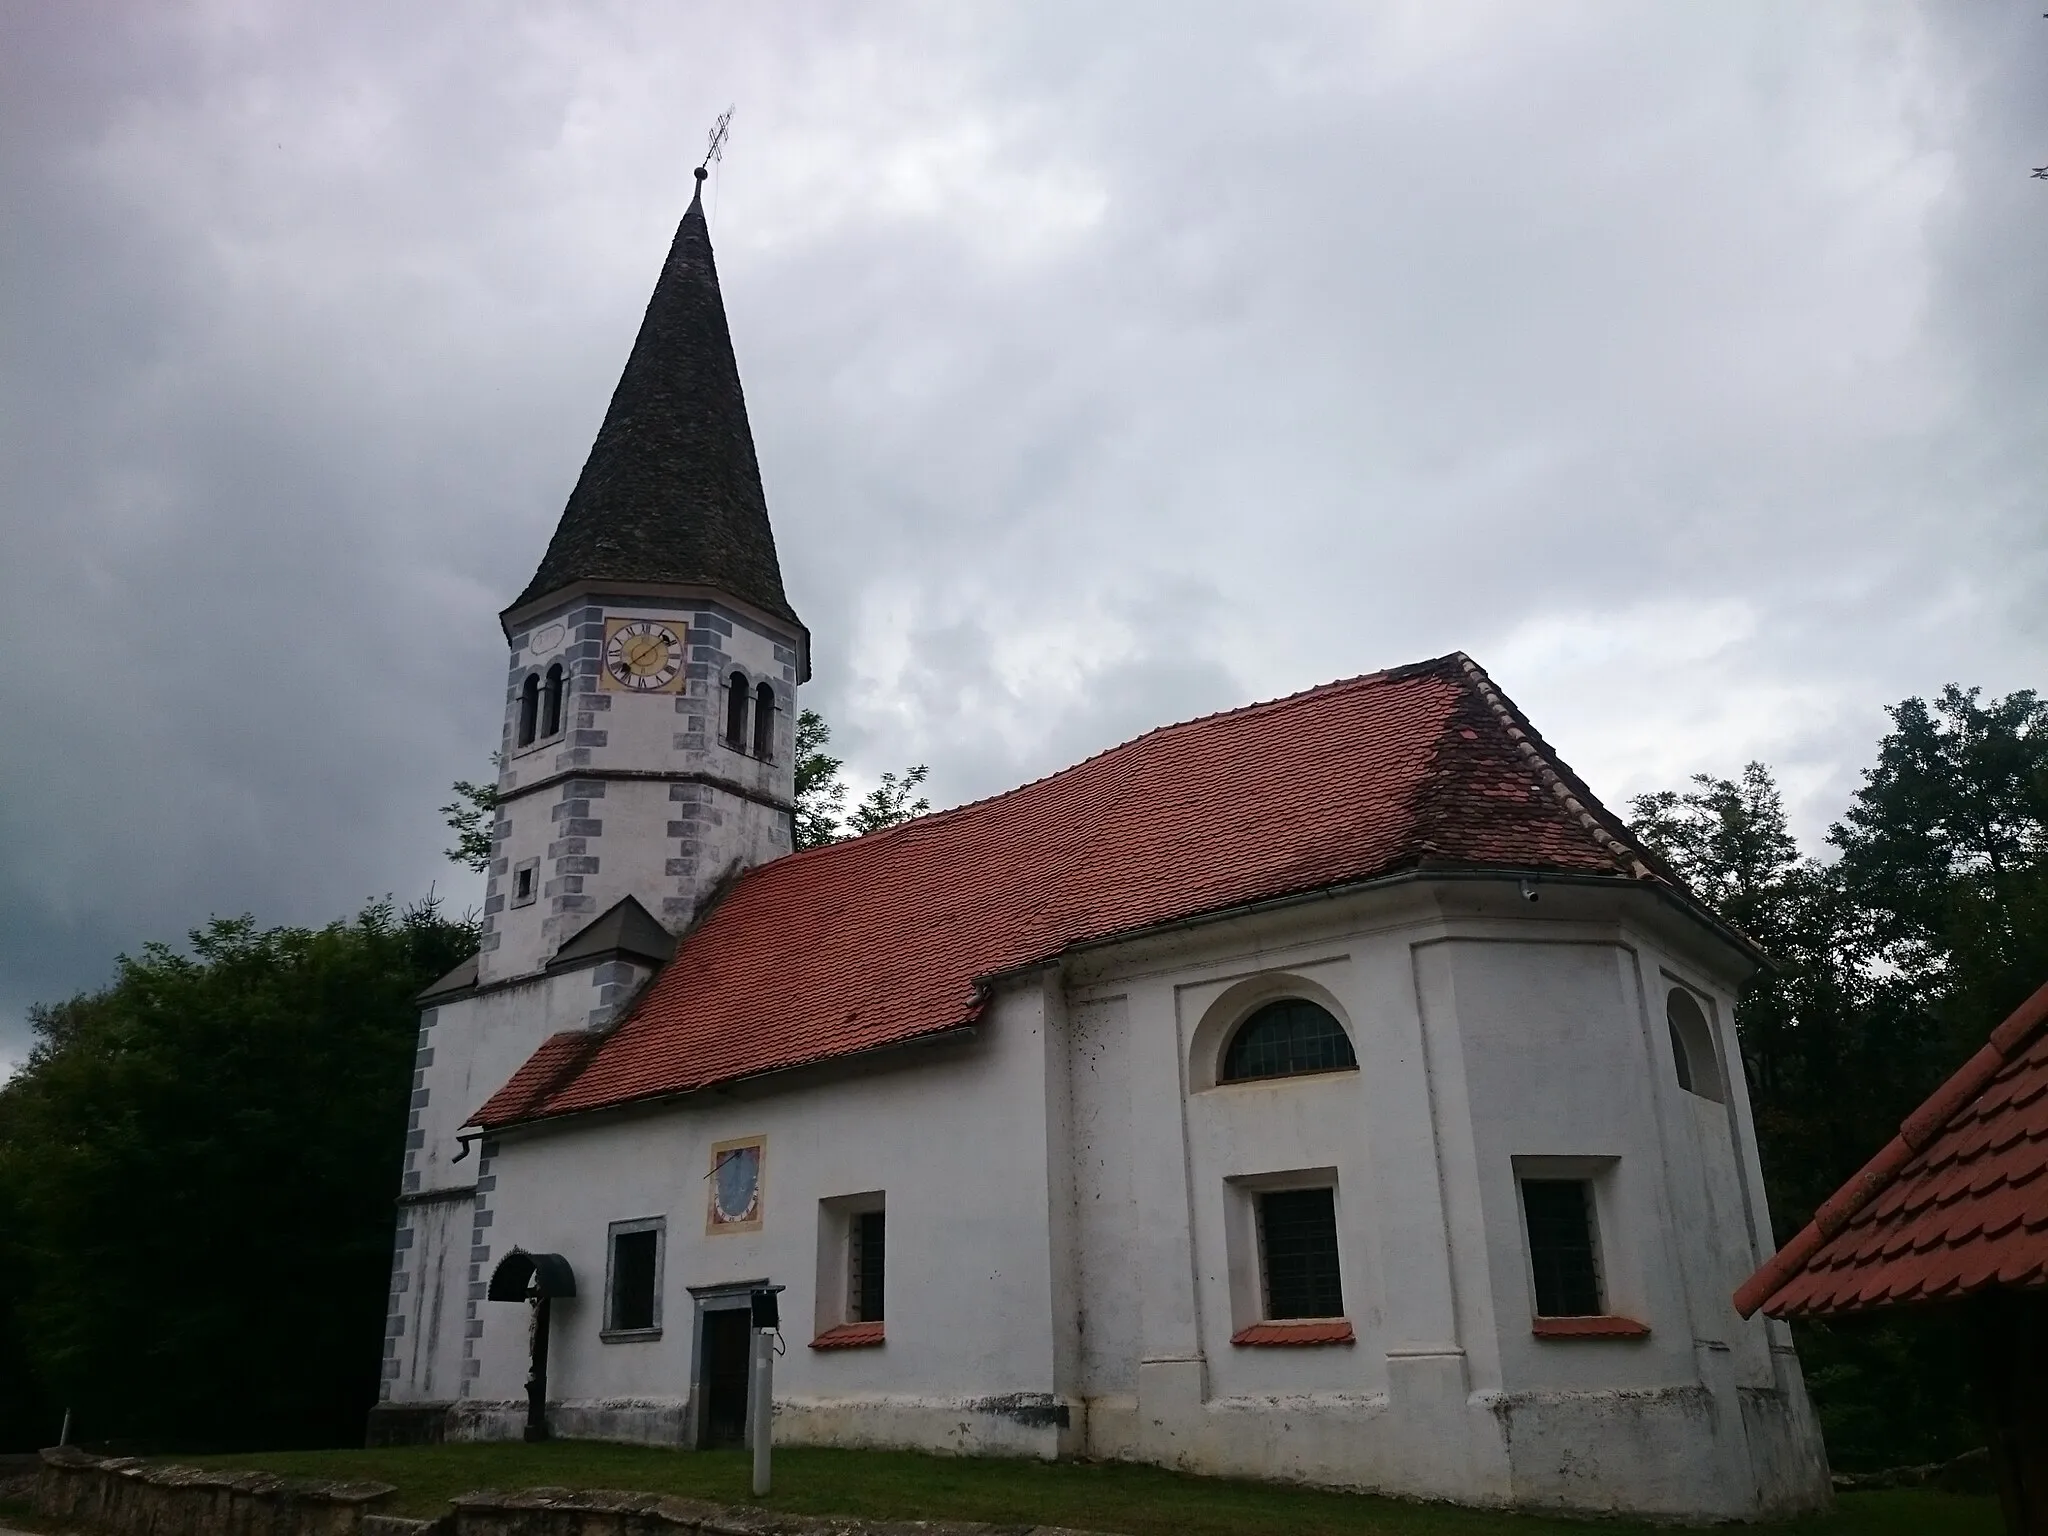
(1669, 894)
(965, 1029)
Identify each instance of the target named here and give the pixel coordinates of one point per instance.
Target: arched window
(529, 709)
(736, 711)
(551, 701)
(764, 721)
(1285, 1039)
(1692, 1046)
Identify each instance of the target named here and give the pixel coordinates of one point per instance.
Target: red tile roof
(1956, 1203)
(893, 937)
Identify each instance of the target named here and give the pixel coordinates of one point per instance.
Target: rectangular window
(865, 1248)
(1562, 1258)
(525, 882)
(633, 1284)
(1298, 1253)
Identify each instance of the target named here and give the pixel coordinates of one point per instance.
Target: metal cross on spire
(715, 149)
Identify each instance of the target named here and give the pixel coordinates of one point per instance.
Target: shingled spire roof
(671, 492)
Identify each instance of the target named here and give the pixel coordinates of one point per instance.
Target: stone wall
(120, 1496)
(126, 1497)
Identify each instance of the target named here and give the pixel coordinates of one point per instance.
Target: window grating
(1285, 1038)
(633, 1256)
(1560, 1216)
(1298, 1246)
(864, 1268)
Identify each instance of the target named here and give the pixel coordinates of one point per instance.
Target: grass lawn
(1139, 1500)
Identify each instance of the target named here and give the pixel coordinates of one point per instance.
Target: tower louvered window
(764, 721)
(736, 711)
(551, 701)
(529, 710)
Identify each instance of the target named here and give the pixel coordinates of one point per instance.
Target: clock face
(642, 655)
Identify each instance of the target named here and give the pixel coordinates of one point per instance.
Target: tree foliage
(1894, 959)
(821, 814)
(196, 1170)
(473, 817)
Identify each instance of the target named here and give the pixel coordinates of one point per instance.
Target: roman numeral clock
(642, 656)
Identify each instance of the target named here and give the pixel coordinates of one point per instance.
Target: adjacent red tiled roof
(1956, 1203)
(892, 937)
(851, 1336)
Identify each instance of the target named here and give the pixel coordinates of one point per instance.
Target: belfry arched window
(736, 711)
(1285, 1039)
(529, 709)
(551, 701)
(764, 721)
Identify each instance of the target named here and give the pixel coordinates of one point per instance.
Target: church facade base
(1596, 1453)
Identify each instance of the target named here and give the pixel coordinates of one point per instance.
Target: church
(1330, 1089)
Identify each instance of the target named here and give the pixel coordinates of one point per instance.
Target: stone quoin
(1330, 1089)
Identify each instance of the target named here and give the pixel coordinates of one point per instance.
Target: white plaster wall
(1098, 1064)
(478, 1042)
(470, 1048)
(429, 1349)
(1555, 1066)
(1485, 1031)
(954, 1136)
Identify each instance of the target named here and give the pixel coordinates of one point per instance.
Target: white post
(761, 1405)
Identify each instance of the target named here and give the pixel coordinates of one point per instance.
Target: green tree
(821, 814)
(889, 804)
(1946, 849)
(820, 792)
(473, 817)
(1893, 962)
(196, 1167)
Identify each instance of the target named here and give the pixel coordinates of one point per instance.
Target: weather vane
(715, 149)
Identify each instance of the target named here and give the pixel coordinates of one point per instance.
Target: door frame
(729, 1297)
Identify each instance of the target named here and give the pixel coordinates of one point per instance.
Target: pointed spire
(671, 492)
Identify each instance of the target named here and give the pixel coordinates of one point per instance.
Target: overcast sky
(1108, 364)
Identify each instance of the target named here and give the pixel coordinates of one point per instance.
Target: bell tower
(650, 703)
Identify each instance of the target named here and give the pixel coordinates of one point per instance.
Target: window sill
(850, 1336)
(628, 1335)
(1588, 1328)
(1295, 1333)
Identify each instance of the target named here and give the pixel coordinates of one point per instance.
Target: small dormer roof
(625, 930)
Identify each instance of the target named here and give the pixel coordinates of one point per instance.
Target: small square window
(1298, 1253)
(525, 882)
(633, 1279)
(865, 1250)
(1563, 1261)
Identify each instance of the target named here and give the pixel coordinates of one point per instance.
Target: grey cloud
(1107, 368)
